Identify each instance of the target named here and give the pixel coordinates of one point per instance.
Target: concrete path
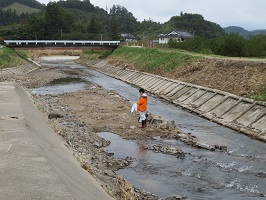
(34, 161)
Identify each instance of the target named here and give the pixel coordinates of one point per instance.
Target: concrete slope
(241, 114)
(35, 163)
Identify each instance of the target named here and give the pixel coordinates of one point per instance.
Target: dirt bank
(237, 76)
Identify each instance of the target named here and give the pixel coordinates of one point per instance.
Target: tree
(58, 20)
(33, 29)
(195, 24)
(256, 46)
(229, 45)
(93, 26)
(127, 22)
(114, 33)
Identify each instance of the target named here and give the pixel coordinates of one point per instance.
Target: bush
(228, 45)
(255, 46)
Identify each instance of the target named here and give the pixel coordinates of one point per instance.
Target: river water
(239, 173)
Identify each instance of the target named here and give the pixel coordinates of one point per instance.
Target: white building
(179, 36)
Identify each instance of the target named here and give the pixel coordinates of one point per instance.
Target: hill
(245, 33)
(20, 8)
(29, 3)
(194, 23)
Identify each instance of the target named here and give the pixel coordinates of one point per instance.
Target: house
(179, 36)
(129, 38)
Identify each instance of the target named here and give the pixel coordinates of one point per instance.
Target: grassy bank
(150, 59)
(9, 58)
(95, 54)
(242, 77)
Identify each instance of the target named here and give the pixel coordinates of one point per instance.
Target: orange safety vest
(142, 103)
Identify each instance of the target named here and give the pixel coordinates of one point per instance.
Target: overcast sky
(248, 14)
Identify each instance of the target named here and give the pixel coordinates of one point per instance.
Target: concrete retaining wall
(241, 114)
(22, 69)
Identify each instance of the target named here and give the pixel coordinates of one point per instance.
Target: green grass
(95, 54)
(262, 95)
(9, 58)
(19, 8)
(152, 59)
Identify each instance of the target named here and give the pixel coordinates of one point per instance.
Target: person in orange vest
(142, 107)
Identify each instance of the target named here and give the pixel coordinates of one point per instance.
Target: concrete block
(144, 80)
(165, 87)
(194, 96)
(141, 77)
(153, 81)
(252, 116)
(128, 75)
(223, 106)
(260, 125)
(135, 78)
(175, 90)
(148, 80)
(156, 84)
(180, 92)
(161, 85)
(134, 75)
(170, 88)
(203, 98)
(212, 103)
(237, 111)
(187, 94)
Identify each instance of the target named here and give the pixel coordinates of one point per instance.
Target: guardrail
(60, 43)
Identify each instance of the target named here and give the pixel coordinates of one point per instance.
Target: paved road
(35, 164)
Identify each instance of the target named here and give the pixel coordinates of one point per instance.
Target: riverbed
(237, 173)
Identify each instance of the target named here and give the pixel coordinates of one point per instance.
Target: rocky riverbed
(79, 116)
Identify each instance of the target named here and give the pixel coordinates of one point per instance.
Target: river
(238, 173)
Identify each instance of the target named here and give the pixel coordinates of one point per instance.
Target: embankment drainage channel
(241, 114)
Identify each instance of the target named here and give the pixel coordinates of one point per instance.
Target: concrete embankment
(35, 162)
(241, 114)
(22, 69)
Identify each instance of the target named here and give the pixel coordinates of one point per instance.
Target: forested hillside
(30, 3)
(196, 24)
(79, 19)
(243, 32)
(17, 11)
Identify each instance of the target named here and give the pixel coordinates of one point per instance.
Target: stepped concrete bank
(35, 162)
(241, 114)
(22, 69)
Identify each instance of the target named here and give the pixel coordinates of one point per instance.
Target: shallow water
(201, 174)
(62, 85)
